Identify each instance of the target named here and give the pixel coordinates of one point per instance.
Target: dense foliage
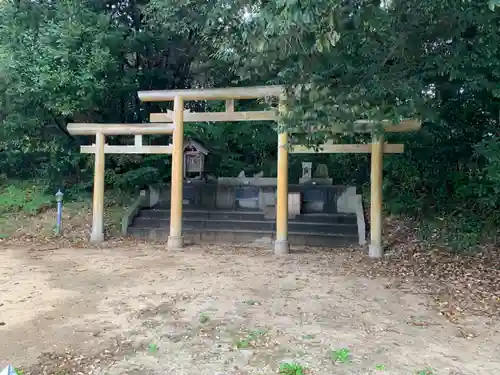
(341, 60)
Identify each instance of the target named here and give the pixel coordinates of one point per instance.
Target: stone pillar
(97, 234)
(375, 248)
(175, 240)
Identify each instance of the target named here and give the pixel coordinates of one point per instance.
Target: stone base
(281, 247)
(96, 237)
(375, 251)
(175, 243)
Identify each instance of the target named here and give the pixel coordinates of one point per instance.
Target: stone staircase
(246, 226)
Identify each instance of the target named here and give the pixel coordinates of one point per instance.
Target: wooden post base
(175, 243)
(96, 237)
(375, 251)
(281, 247)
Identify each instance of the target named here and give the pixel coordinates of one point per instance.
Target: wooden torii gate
(179, 116)
(100, 148)
(160, 124)
(377, 148)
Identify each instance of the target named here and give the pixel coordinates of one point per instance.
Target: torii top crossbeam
(254, 92)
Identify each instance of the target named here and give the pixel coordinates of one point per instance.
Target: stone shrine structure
(315, 199)
(235, 209)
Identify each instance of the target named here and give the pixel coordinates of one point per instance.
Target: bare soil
(139, 309)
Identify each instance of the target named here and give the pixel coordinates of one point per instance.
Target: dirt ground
(140, 310)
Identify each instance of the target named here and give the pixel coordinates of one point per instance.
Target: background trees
(345, 59)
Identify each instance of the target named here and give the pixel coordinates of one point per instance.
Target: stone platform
(247, 226)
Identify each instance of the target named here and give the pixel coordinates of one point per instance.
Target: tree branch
(62, 128)
(384, 61)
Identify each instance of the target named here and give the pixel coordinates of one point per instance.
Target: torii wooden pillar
(175, 239)
(97, 234)
(375, 248)
(281, 245)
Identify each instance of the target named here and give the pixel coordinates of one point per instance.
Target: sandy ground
(142, 310)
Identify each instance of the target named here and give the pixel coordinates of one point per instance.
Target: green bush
(25, 197)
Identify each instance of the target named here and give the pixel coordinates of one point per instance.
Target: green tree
(340, 60)
(348, 60)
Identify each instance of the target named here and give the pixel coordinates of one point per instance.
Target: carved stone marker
(321, 171)
(306, 170)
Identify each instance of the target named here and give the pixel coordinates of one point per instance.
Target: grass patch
(26, 197)
(292, 369)
(308, 337)
(153, 348)
(341, 355)
(250, 340)
(204, 318)
(427, 371)
(26, 208)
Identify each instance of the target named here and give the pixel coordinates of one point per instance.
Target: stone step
(337, 218)
(223, 236)
(163, 213)
(258, 225)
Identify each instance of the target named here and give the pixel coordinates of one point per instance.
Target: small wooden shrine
(194, 158)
